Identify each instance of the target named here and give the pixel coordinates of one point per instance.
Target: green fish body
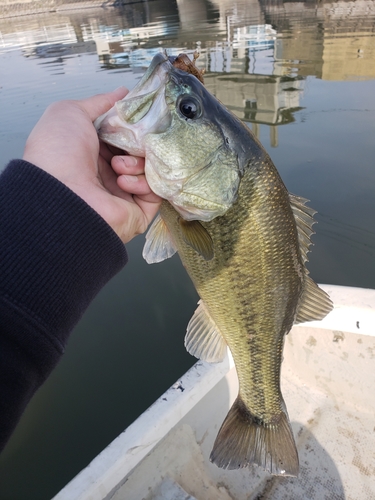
(243, 240)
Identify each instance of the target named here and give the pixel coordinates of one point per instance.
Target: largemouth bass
(242, 238)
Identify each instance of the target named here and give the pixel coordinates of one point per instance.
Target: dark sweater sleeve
(56, 253)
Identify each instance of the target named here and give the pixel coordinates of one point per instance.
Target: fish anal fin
(203, 339)
(159, 245)
(244, 440)
(196, 236)
(314, 304)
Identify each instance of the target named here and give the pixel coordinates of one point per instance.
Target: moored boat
(328, 382)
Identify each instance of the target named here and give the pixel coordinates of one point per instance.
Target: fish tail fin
(244, 439)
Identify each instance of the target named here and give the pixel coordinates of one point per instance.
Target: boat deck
(328, 382)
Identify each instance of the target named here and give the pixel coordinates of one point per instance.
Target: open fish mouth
(130, 119)
(155, 78)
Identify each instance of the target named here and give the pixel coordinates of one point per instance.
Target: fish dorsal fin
(196, 236)
(203, 339)
(314, 304)
(304, 217)
(159, 245)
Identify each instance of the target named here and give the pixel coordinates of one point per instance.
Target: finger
(116, 151)
(148, 206)
(108, 179)
(100, 103)
(137, 185)
(128, 165)
(105, 152)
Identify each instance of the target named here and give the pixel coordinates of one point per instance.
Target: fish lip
(148, 83)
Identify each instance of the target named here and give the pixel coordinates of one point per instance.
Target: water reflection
(256, 54)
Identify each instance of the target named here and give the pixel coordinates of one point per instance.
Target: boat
(328, 383)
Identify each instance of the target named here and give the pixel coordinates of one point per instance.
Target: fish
(243, 239)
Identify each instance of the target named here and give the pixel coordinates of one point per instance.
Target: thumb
(100, 103)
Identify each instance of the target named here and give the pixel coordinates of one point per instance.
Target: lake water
(301, 75)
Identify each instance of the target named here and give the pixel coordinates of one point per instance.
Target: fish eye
(189, 107)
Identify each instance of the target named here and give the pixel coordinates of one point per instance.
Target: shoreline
(12, 8)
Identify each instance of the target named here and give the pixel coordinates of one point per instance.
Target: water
(301, 75)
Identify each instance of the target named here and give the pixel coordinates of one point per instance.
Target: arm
(63, 222)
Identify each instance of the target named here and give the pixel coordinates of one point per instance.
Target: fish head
(193, 145)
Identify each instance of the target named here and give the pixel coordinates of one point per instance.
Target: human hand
(65, 144)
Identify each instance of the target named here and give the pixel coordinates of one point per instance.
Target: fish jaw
(128, 122)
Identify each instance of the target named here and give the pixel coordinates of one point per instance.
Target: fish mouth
(142, 111)
(155, 76)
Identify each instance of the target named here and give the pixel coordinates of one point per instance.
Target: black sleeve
(56, 253)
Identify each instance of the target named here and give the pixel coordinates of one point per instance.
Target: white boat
(328, 383)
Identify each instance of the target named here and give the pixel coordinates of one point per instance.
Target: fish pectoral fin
(196, 236)
(314, 304)
(159, 245)
(203, 339)
(244, 439)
